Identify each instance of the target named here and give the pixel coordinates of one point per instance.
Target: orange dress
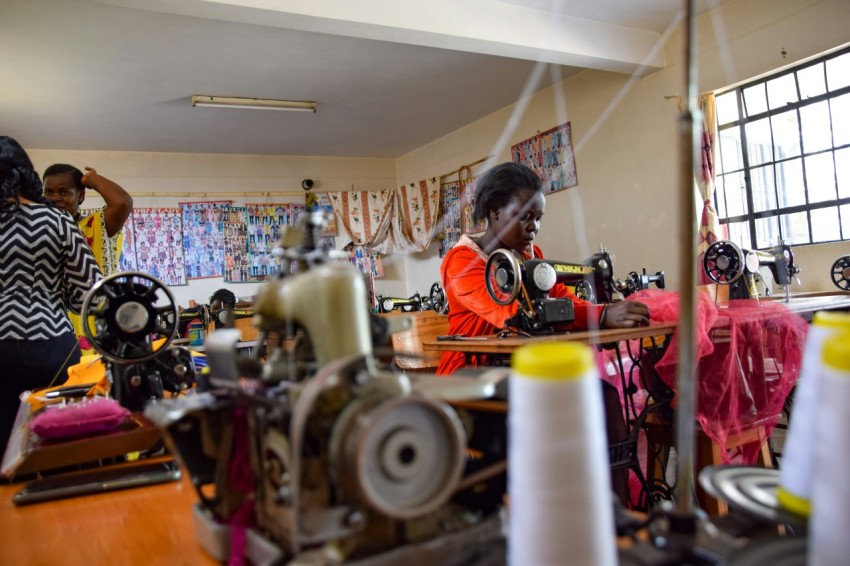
(471, 310)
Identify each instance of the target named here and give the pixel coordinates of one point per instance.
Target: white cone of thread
(829, 540)
(798, 469)
(559, 484)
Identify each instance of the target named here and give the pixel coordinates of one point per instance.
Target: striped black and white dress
(46, 268)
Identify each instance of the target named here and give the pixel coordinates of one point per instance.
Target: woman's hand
(625, 314)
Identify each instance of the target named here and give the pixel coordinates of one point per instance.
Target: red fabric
(748, 359)
(471, 310)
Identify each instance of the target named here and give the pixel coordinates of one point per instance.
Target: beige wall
(205, 175)
(624, 134)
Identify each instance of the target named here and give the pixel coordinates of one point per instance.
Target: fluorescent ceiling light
(253, 103)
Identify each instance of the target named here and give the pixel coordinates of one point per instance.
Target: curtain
(415, 215)
(709, 228)
(365, 215)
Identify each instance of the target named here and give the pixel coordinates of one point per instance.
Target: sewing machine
(436, 301)
(726, 263)
(528, 282)
(841, 273)
(350, 459)
(127, 312)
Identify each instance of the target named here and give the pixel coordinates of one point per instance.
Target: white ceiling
(388, 75)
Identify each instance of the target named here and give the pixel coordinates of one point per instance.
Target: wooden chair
(427, 325)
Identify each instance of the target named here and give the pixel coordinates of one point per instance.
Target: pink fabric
(242, 480)
(89, 416)
(748, 359)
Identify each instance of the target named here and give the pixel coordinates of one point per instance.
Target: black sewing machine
(184, 317)
(726, 263)
(436, 301)
(841, 273)
(130, 310)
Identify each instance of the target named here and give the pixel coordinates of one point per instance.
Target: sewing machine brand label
(567, 268)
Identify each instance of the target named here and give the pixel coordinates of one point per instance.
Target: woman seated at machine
(510, 197)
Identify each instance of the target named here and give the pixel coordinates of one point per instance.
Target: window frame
(751, 218)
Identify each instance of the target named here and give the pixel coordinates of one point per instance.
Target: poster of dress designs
(157, 233)
(450, 207)
(203, 238)
(264, 224)
(550, 155)
(237, 261)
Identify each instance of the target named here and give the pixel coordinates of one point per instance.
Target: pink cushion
(89, 416)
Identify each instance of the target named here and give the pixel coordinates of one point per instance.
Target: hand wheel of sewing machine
(123, 313)
(503, 277)
(437, 299)
(724, 262)
(841, 273)
(584, 291)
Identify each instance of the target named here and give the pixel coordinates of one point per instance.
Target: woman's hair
(61, 168)
(18, 178)
(495, 188)
(227, 298)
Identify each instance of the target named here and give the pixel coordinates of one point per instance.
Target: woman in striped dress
(46, 268)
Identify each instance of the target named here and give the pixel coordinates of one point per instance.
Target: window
(783, 163)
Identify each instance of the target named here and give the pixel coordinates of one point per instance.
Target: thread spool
(559, 485)
(798, 467)
(829, 544)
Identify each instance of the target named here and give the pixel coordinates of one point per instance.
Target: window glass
(736, 194)
(767, 231)
(840, 108)
(783, 156)
(789, 183)
(726, 107)
(820, 177)
(795, 228)
(739, 232)
(759, 144)
(764, 193)
(782, 91)
(842, 172)
(786, 135)
(825, 224)
(838, 72)
(720, 196)
(812, 81)
(755, 101)
(730, 150)
(816, 129)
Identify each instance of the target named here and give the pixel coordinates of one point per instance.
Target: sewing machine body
(726, 263)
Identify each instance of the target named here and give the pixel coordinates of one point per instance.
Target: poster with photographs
(265, 222)
(203, 238)
(324, 202)
(467, 203)
(550, 155)
(450, 207)
(366, 260)
(237, 261)
(157, 235)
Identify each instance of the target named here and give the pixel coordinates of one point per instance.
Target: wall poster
(203, 238)
(550, 155)
(157, 234)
